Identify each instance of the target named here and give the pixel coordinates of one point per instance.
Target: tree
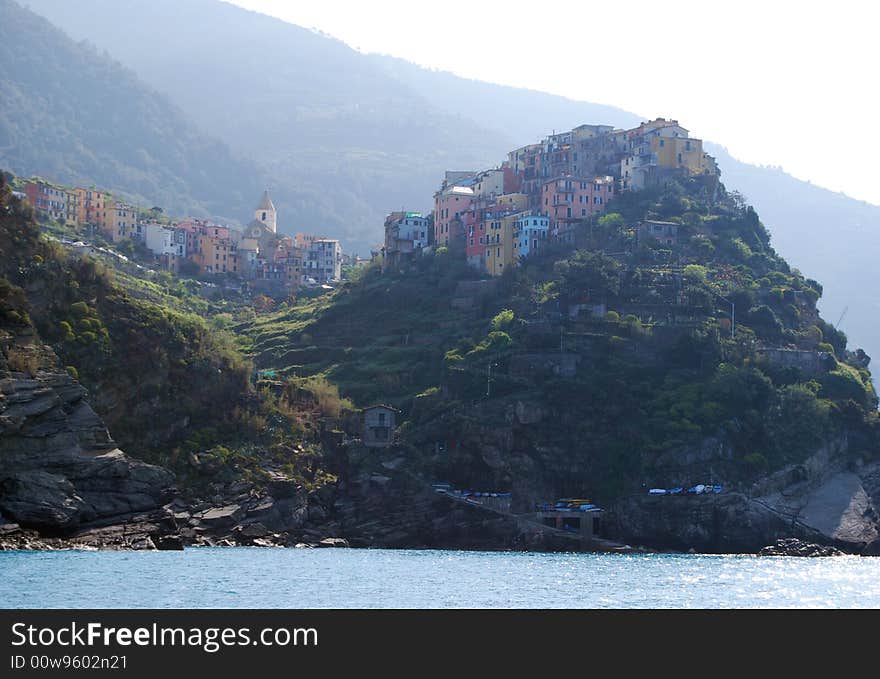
(592, 272)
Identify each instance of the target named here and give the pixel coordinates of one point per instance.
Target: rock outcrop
(60, 470)
(795, 547)
(820, 501)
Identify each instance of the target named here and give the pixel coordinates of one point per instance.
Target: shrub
(22, 361)
(73, 372)
(326, 394)
(502, 319)
(695, 273)
(80, 309)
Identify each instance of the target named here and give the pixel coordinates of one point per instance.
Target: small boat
(657, 491)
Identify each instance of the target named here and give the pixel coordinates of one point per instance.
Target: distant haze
(787, 84)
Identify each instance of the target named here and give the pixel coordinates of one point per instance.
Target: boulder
(333, 542)
(254, 530)
(282, 487)
(169, 542)
(59, 468)
(219, 516)
(39, 499)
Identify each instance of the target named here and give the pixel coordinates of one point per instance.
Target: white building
(489, 183)
(162, 239)
(406, 232)
(323, 260)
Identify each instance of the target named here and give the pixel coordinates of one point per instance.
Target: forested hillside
(73, 115)
(345, 137)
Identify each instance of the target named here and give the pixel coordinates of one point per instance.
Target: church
(263, 228)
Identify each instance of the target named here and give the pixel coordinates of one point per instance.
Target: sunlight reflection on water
(342, 578)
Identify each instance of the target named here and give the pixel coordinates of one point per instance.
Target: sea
(243, 577)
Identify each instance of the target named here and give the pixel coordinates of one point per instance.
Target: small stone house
(380, 422)
(665, 233)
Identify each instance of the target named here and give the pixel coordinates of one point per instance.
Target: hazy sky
(791, 84)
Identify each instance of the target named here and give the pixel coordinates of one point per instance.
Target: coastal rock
(225, 515)
(41, 500)
(333, 542)
(283, 487)
(59, 468)
(795, 547)
(169, 542)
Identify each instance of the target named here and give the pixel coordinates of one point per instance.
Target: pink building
(450, 205)
(198, 229)
(474, 225)
(568, 199)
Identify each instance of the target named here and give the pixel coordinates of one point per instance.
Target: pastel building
(500, 250)
(304, 240)
(323, 260)
(218, 255)
(47, 198)
(405, 232)
(489, 183)
(568, 200)
(531, 231)
(451, 202)
(162, 239)
(95, 210)
(120, 221)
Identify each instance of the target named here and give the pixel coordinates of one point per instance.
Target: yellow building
(515, 202)
(679, 152)
(118, 220)
(72, 208)
(501, 250)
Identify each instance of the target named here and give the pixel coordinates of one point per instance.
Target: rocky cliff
(60, 471)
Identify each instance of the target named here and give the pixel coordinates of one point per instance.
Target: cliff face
(60, 471)
(830, 498)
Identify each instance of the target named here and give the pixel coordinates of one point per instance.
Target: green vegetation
(78, 117)
(654, 371)
(172, 386)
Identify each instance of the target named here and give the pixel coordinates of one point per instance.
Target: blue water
(349, 578)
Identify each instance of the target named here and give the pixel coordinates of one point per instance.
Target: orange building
(217, 255)
(91, 207)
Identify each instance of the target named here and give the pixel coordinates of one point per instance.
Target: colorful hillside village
(258, 254)
(545, 192)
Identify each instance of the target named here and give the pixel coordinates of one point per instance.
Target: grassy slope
(167, 383)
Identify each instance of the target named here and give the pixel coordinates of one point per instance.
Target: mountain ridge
(367, 152)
